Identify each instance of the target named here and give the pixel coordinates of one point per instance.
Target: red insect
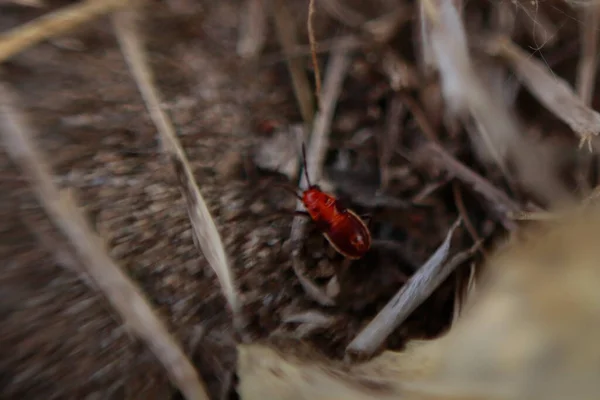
(343, 229)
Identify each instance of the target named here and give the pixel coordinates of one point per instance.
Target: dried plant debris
(497, 127)
(588, 62)
(54, 24)
(520, 317)
(412, 149)
(285, 26)
(253, 28)
(552, 91)
(409, 297)
(206, 235)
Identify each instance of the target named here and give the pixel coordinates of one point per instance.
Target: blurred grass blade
(553, 92)
(204, 228)
(122, 293)
(53, 24)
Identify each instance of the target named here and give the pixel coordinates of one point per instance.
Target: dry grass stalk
(54, 24)
(461, 87)
(588, 62)
(253, 28)
(412, 294)
(26, 3)
(553, 92)
(337, 69)
(205, 231)
(286, 33)
(462, 210)
(499, 129)
(343, 13)
(388, 141)
(122, 293)
(313, 50)
(382, 29)
(501, 203)
(434, 153)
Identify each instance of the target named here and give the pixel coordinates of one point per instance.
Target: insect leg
(302, 214)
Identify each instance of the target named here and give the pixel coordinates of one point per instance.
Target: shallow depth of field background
(423, 131)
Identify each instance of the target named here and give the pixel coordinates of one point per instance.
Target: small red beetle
(343, 229)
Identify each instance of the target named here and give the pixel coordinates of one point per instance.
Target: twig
(343, 13)
(389, 140)
(26, 3)
(412, 294)
(460, 205)
(205, 231)
(286, 33)
(443, 159)
(553, 92)
(313, 50)
(54, 24)
(503, 204)
(122, 293)
(498, 127)
(334, 78)
(351, 42)
(253, 28)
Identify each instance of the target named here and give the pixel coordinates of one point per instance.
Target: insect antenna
(304, 165)
(289, 188)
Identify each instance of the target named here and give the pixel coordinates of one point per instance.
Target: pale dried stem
(500, 202)
(553, 92)
(412, 294)
(465, 91)
(53, 24)
(343, 13)
(286, 34)
(337, 69)
(588, 62)
(253, 28)
(122, 293)
(205, 231)
(313, 50)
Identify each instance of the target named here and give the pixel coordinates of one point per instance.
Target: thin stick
(313, 50)
(253, 28)
(122, 293)
(53, 24)
(412, 294)
(206, 235)
(319, 140)
(286, 34)
(502, 204)
(588, 61)
(552, 92)
(462, 210)
(304, 165)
